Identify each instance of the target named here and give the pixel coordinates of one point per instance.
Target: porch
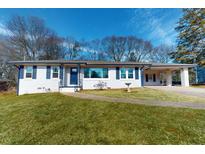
(70, 78)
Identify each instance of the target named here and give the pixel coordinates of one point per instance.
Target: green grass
(58, 119)
(198, 86)
(146, 94)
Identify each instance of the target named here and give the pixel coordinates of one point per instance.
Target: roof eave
(42, 62)
(177, 65)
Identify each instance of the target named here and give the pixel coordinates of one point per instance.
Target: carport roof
(172, 65)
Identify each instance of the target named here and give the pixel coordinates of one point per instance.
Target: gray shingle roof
(50, 62)
(76, 62)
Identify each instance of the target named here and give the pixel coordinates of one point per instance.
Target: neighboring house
(71, 76)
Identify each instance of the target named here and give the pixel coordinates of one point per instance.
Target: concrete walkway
(190, 91)
(137, 101)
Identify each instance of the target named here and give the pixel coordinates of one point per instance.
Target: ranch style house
(71, 76)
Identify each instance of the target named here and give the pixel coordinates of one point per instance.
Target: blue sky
(156, 25)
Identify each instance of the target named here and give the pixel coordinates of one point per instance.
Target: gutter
(16, 63)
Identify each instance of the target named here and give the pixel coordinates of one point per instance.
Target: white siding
(111, 81)
(40, 84)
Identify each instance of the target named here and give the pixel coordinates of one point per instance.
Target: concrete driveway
(198, 92)
(137, 101)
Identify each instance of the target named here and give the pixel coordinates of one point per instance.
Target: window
(55, 72)
(86, 73)
(96, 73)
(130, 73)
(127, 73)
(154, 78)
(29, 71)
(105, 73)
(146, 78)
(74, 70)
(123, 73)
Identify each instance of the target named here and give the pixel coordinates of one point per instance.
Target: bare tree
(71, 48)
(137, 49)
(27, 35)
(120, 48)
(93, 49)
(7, 72)
(53, 48)
(28, 39)
(115, 47)
(161, 54)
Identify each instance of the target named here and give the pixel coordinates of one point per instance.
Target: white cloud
(3, 30)
(156, 25)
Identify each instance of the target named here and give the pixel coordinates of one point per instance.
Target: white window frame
(132, 73)
(127, 73)
(53, 72)
(89, 78)
(31, 72)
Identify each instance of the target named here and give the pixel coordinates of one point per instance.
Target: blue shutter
(117, 73)
(34, 72)
(61, 72)
(136, 73)
(21, 72)
(61, 75)
(48, 72)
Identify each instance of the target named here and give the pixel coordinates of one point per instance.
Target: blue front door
(73, 75)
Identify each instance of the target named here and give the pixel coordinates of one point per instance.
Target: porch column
(169, 78)
(79, 75)
(142, 76)
(184, 77)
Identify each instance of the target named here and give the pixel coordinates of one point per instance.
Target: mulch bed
(5, 85)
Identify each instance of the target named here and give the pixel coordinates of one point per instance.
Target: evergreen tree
(191, 38)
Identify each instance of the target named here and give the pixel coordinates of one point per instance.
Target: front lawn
(57, 119)
(146, 94)
(198, 86)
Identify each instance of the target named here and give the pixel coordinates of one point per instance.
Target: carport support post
(184, 77)
(169, 78)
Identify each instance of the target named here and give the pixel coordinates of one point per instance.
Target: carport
(161, 74)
